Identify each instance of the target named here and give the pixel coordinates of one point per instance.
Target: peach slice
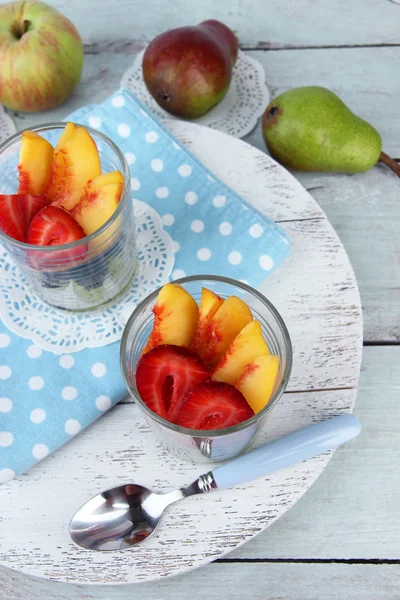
(209, 304)
(258, 380)
(247, 345)
(227, 322)
(175, 317)
(68, 133)
(75, 161)
(35, 160)
(99, 201)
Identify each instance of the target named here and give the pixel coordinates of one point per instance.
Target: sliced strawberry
(32, 205)
(213, 405)
(165, 374)
(53, 226)
(17, 211)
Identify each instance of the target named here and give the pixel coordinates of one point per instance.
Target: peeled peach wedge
(258, 380)
(99, 201)
(35, 161)
(75, 161)
(227, 322)
(209, 304)
(175, 317)
(247, 345)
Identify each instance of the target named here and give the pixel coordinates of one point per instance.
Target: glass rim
(216, 433)
(126, 196)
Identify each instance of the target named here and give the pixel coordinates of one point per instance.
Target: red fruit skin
(53, 226)
(188, 70)
(164, 375)
(213, 405)
(16, 213)
(224, 34)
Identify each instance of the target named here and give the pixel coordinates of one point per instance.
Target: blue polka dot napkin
(46, 399)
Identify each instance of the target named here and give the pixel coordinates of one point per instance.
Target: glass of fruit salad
(206, 359)
(66, 214)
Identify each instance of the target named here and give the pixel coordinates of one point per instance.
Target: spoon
(126, 515)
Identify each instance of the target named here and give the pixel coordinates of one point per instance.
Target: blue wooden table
(342, 539)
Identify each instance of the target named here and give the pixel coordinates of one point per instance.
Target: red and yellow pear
(188, 70)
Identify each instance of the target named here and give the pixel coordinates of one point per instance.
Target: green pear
(311, 129)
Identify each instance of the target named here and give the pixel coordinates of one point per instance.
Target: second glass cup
(92, 271)
(219, 444)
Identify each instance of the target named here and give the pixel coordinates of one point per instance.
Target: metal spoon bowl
(126, 515)
(123, 516)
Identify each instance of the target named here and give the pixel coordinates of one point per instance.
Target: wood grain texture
(233, 581)
(321, 305)
(270, 24)
(351, 512)
(192, 532)
(365, 78)
(363, 210)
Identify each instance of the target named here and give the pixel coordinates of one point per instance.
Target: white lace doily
(63, 332)
(237, 114)
(7, 126)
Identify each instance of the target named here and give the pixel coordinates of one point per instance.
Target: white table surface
(342, 539)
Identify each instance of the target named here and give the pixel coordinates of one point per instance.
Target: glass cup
(88, 273)
(220, 444)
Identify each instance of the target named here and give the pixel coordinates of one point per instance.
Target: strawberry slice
(213, 405)
(53, 226)
(17, 211)
(165, 374)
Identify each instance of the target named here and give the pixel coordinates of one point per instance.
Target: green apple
(41, 56)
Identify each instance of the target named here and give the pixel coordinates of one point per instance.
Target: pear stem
(390, 162)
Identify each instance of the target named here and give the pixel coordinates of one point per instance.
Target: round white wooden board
(317, 295)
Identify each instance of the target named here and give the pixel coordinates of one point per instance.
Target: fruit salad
(206, 366)
(62, 197)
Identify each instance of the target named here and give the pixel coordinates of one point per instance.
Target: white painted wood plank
(233, 581)
(272, 23)
(364, 208)
(323, 68)
(192, 533)
(352, 511)
(365, 212)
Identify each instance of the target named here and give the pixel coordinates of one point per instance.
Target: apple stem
(19, 29)
(390, 162)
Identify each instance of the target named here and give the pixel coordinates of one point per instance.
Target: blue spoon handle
(288, 450)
